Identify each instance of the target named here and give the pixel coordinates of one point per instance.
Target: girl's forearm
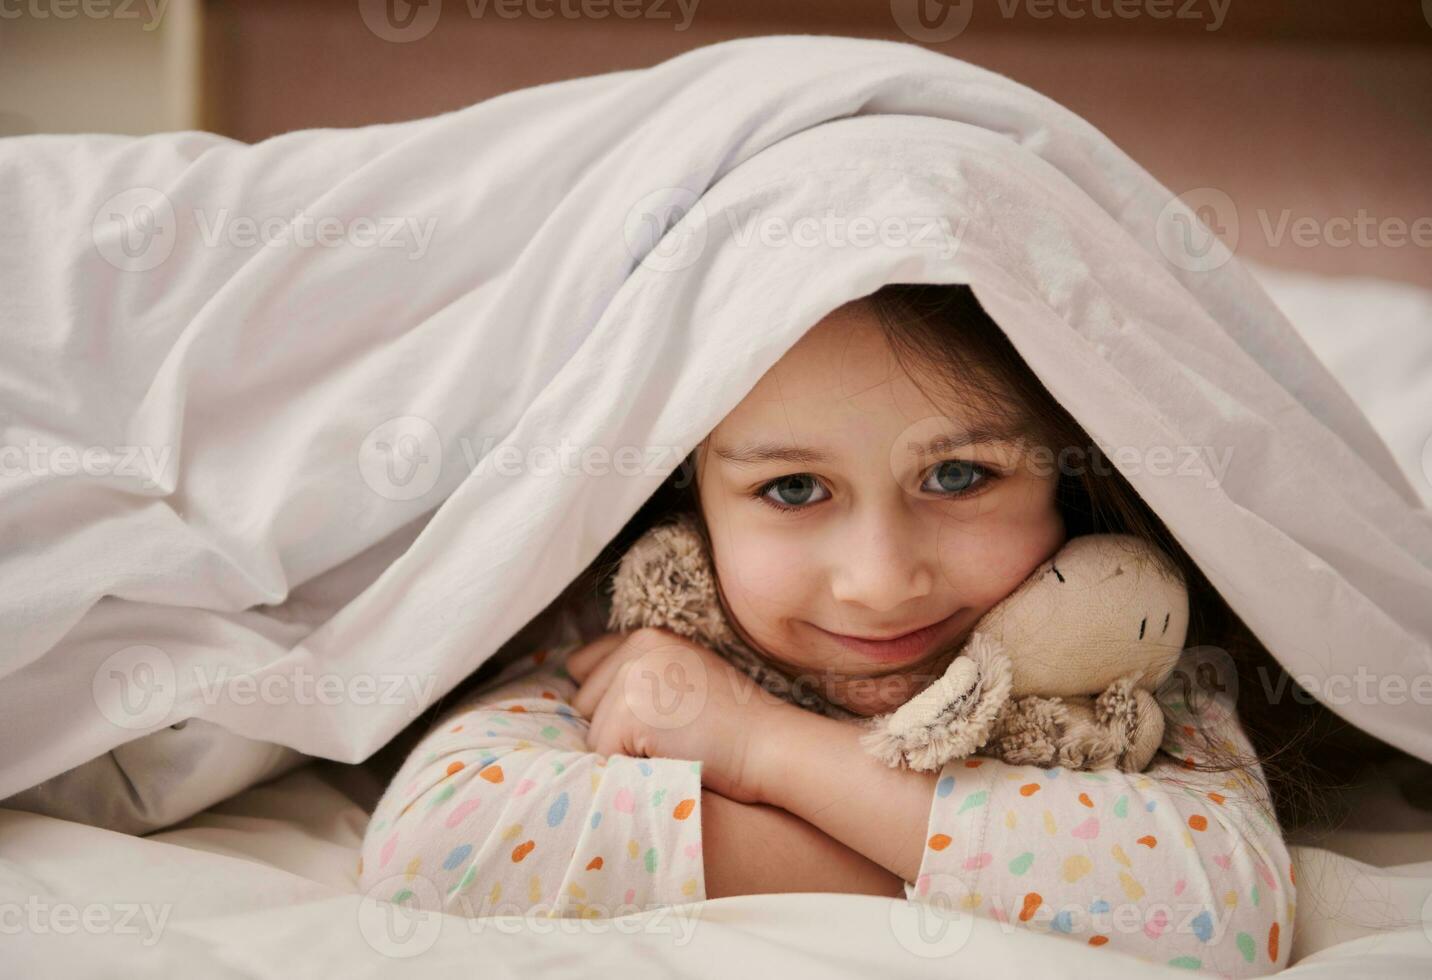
(753, 849)
(816, 768)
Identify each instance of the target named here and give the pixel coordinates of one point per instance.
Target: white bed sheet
(263, 885)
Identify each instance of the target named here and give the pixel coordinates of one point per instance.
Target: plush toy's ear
(665, 580)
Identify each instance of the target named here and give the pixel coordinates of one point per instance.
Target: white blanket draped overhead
(255, 431)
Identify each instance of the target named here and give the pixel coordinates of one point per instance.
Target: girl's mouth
(902, 649)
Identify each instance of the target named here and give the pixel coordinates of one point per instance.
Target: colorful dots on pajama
(1177, 865)
(501, 810)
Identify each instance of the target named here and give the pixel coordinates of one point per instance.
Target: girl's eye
(791, 492)
(955, 477)
(952, 478)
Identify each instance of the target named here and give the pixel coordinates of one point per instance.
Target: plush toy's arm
(1121, 729)
(1136, 716)
(952, 717)
(1029, 730)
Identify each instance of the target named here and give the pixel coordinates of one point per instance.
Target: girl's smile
(900, 648)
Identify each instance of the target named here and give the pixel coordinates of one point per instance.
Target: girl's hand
(652, 693)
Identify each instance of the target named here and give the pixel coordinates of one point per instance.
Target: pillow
(1375, 336)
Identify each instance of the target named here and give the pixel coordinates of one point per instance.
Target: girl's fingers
(597, 736)
(603, 737)
(581, 663)
(594, 688)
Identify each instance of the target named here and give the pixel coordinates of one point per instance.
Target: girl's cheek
(765, 578)
(985, 566)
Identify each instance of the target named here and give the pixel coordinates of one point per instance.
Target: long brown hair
(941, 333)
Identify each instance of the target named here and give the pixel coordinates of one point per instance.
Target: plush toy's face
(861, 531)
(1099, 609)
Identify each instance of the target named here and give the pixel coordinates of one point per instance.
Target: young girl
(876, 493)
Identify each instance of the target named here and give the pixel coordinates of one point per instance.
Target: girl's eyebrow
(976, 435)
(769, 452)
(750, 454)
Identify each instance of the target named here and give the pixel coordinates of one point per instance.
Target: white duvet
(296, 434)
(218, 450)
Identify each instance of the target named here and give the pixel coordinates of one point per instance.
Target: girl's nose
(884, 563)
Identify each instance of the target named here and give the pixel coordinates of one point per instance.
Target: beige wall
(1305, 113)
(91, 66)
(1299, 112)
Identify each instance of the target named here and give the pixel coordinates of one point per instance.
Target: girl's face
(846, 509)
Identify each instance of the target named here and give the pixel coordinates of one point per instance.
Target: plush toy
(1061, 672)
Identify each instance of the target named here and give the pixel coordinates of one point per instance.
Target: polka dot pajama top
(501, 810)
(1180, 866)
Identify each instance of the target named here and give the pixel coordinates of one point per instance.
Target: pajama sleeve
(1176, 865)
(502, 810)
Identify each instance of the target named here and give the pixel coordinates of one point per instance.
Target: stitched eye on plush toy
(1143, 623)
